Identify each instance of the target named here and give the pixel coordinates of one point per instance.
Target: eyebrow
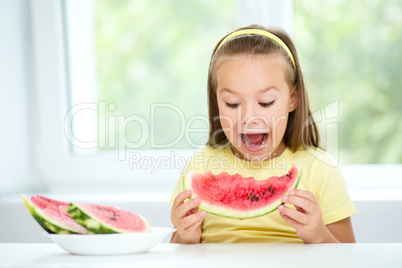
(267, 89)
(225, 89)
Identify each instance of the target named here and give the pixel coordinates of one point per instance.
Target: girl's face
(254, 101)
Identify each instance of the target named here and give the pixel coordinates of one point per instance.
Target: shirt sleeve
(332, 193)
(179, 184)
(177, 189)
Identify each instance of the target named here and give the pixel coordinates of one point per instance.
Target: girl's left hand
(307, 218)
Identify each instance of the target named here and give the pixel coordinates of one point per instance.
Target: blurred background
(349, 53)
(108, 98)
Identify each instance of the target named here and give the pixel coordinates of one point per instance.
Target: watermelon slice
(52, 215)
(107, 219)
(237, 197)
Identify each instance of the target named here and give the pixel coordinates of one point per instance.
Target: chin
(253, 156)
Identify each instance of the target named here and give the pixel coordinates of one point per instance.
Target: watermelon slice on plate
(80, 218)
(52, 215)
(238, 197)
(107, 219)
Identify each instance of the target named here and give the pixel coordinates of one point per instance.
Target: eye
(266, 104)
(232, 105)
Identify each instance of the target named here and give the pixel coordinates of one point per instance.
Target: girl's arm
(342, 231)
(177, 239)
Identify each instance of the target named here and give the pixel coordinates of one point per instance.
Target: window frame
(55, 164)
(59, 169)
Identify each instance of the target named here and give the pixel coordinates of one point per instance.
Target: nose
(249, 116)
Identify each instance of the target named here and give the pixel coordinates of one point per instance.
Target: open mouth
(255, 141)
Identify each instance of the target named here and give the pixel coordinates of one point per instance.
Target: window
(103, 74)
(351, 57)
(142, 65)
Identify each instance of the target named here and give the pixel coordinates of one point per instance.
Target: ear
(294, 97)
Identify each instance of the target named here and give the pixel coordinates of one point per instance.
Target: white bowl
(110, 244)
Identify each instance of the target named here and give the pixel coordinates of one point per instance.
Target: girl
(261, 124)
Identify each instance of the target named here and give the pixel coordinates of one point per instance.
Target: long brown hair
(301, 127)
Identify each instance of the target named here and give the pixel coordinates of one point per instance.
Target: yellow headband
(259, 32)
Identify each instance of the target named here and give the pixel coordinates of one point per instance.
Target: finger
(290, 221)
(185, 208)
(193, 210)
(180, 198)
(190, 220)
(197, 224)
(304, 194)
(301, 204)
(293, 214)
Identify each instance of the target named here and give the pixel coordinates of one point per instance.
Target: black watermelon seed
(270, 189)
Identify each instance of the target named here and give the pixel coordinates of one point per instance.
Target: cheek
(278, 119)
(281, 125)
(227, 118)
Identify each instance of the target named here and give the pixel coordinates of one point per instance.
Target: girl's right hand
(187, 219)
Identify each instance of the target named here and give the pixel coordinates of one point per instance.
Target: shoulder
(315, 158)
(319, 168)
(209, 153)
(203, 157)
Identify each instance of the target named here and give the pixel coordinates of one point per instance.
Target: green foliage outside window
(351, 52)
(156, 51)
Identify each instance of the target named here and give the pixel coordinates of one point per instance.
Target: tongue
(255, 138)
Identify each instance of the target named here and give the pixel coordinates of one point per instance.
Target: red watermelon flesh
(52, 215)
(239, 197)
(107, 219)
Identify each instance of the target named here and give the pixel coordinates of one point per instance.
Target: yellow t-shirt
(319, 175)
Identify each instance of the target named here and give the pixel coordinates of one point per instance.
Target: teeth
(247, 143)
(264, 140)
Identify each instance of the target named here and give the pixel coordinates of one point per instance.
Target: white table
(211, 255)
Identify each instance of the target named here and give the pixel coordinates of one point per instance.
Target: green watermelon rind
(48, 224)
(94, 224)
(211, 208)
